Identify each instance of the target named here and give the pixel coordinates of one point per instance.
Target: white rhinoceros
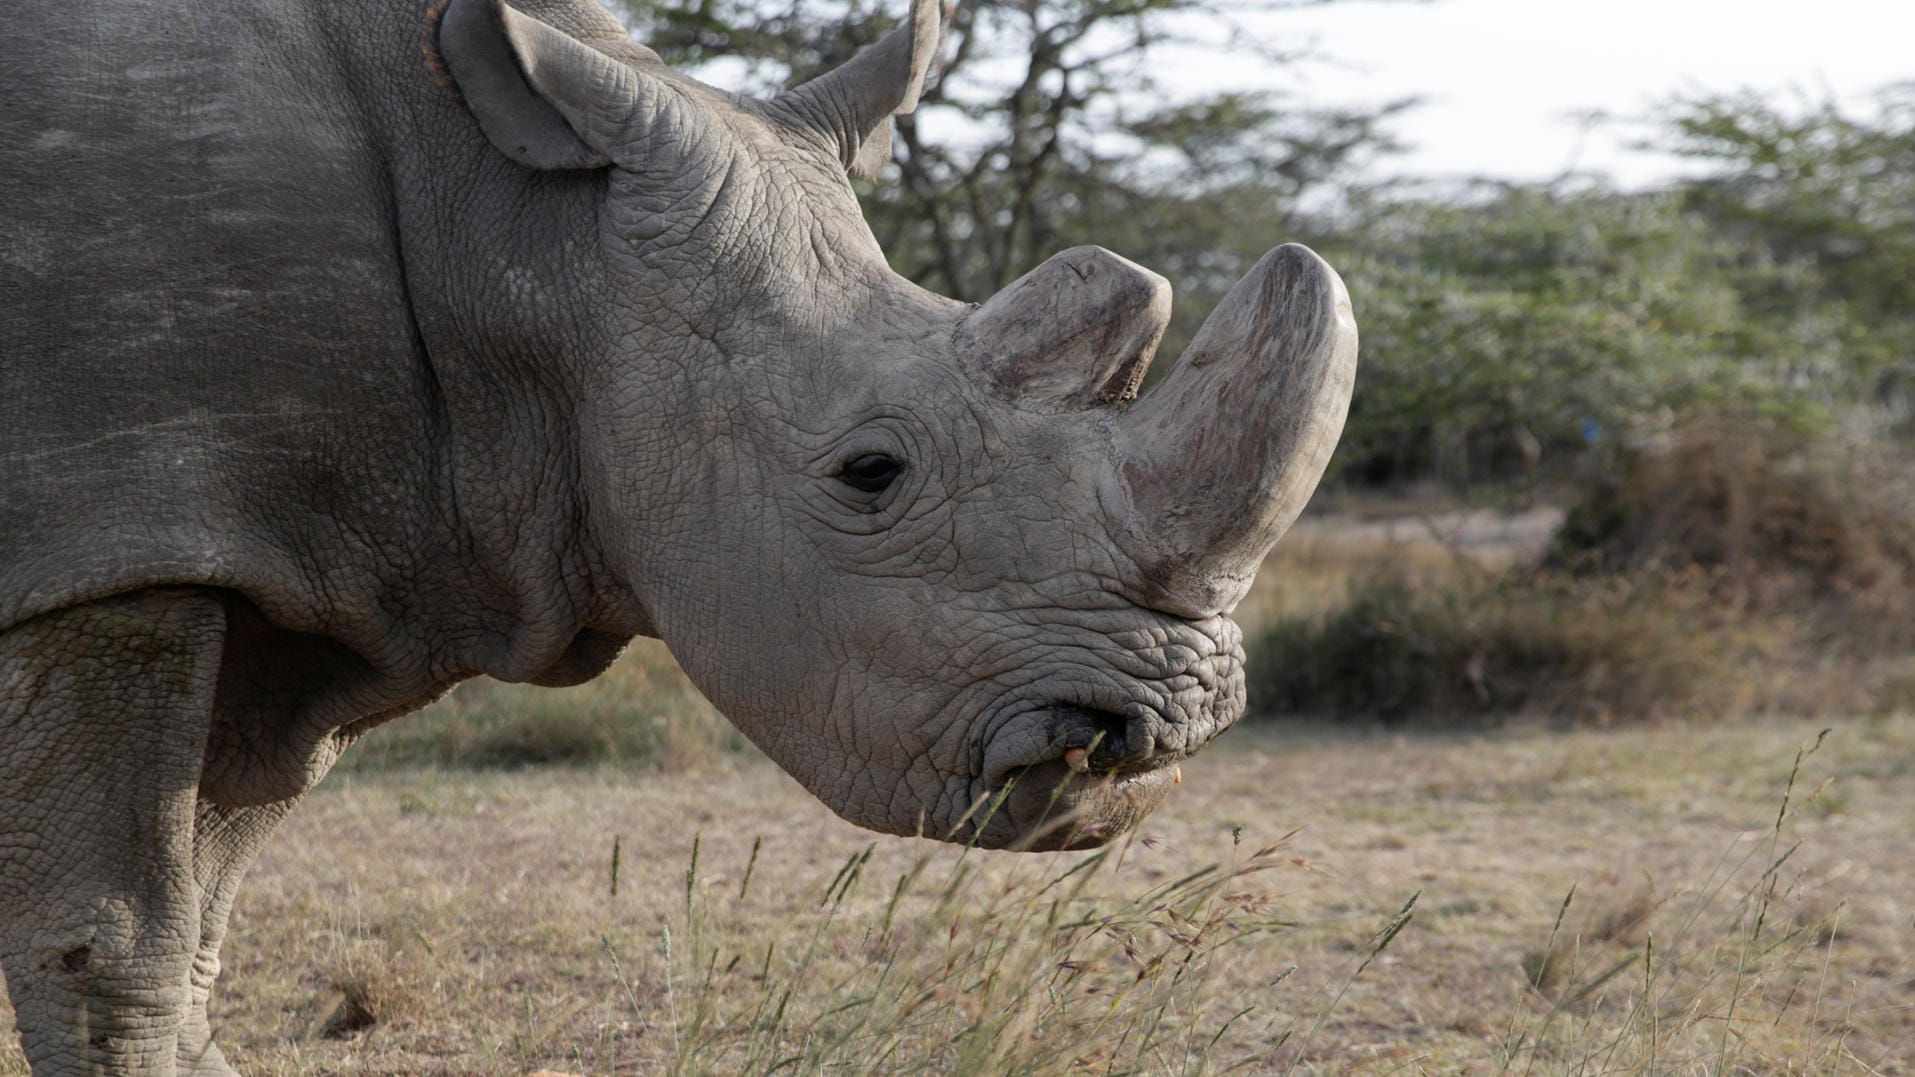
(335, 370)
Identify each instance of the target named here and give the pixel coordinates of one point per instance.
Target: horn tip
(1298, 262)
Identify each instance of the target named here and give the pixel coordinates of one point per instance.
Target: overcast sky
(1502, 79)
(1504, 82)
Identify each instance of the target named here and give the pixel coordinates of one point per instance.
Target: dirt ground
(466, 923)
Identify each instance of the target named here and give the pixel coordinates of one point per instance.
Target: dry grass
(1736, 568)
(1776, 516)
(475, 913)
(642, 713)
(1471, 645)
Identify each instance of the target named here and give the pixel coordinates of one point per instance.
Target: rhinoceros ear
(542, 97)
(1077, 331)
(853, 104)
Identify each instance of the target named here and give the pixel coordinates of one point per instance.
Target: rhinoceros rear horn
(543, 98)
(1076, 331)
(1217, 460)
(853, 104)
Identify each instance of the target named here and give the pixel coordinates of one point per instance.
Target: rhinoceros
(353, 348)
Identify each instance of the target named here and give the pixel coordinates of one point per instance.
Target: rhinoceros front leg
(225, 841)
(104, 710)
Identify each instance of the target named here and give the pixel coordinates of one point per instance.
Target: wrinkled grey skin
(335, 370)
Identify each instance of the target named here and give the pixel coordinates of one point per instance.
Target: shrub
(1779, 517)
(1736, 563)
(1482, 646)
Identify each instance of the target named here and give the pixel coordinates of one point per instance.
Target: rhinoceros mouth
(1074, 773)
(1099, 741)
(1085, 737)
(1055, 805)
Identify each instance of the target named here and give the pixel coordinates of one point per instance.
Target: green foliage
(1503, 334)
(1822, 204)
(1504, 327)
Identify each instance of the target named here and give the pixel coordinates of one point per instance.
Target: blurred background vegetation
(1709, 384)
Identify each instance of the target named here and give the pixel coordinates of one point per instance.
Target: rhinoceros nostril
(1095, 739)
(1113, 745)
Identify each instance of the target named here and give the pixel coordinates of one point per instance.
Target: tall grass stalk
(1379, 943)
(1051, 970)
(1708, 988)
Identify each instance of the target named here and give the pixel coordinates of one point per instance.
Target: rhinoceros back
(207, 368)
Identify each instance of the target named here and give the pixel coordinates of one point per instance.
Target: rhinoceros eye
(871, 473)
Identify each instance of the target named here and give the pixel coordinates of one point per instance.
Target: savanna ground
(1704, 895)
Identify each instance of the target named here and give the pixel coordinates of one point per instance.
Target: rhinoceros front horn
(1216, 462)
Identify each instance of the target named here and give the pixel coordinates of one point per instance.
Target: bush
(1738, 563)
(1780, 518)
(1483, 646)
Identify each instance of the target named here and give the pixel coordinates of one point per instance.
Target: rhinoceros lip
(1107, 737)
(1045, 800)
(1117, 741)
(1053, 806)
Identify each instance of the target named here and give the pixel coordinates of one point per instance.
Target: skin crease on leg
(110, 944)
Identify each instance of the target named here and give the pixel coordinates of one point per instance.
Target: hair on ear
(852, 104)
(429, 48)
(543, 97)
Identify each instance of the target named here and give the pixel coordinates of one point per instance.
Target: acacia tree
(1047, 125)
(1822, 202)
(1511, 325)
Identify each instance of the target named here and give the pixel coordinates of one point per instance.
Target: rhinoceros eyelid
(871, 472)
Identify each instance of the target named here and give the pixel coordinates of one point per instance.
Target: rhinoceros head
(937, 560)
